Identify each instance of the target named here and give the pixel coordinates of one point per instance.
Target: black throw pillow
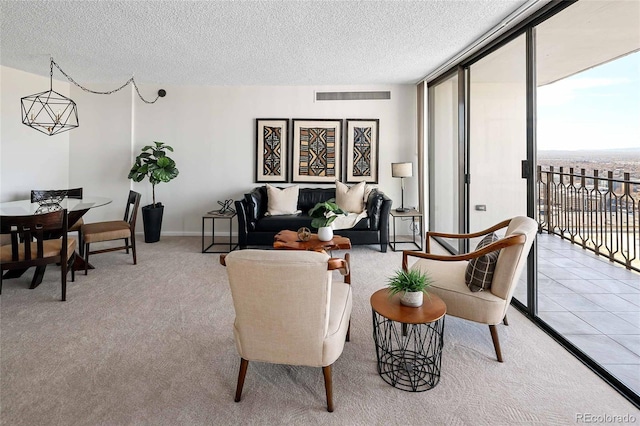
(479, 273)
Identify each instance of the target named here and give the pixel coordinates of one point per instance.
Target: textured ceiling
(242, 42)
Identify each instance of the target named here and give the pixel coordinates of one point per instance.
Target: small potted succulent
(323, 214)
(153, 163)
(412, 285)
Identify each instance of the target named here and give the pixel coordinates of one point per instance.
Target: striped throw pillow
(479, 273)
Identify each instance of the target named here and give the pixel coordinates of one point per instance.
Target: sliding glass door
(588, 127)
(498, 140)
(444, 155)
(556, 100)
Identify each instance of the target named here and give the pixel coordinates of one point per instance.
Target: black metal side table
(408, 340)
(415, 216)
(211, 247)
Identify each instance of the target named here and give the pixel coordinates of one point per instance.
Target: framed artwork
(316, 148)
(361, 150)
(272, 149)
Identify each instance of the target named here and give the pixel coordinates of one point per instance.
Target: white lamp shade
(401, 169)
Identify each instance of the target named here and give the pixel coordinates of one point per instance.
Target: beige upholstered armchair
(487, 306)
(288, 310)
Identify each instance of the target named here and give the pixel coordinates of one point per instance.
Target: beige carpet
(153, 344)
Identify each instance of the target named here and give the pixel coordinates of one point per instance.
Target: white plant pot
(325, 233)
(413, 299)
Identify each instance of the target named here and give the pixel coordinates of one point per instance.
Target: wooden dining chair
(71, 193)
(113, 230)
(29, 246)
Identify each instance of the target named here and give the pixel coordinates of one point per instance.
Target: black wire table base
(409, 355)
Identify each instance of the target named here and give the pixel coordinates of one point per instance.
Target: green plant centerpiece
(153, 163)
(323, 214)
(411, 284)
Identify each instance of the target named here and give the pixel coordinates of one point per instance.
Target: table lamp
(402, 170)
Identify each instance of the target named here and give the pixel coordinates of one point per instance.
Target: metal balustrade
(602, 214)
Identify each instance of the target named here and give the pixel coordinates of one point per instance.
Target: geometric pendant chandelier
(51, 113)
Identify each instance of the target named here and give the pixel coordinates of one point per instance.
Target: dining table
(76, 208)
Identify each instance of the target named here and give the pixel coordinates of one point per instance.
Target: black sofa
(255, 229)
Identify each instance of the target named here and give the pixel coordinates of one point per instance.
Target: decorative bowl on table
(304, 234)
(48, 208)
(48, 198)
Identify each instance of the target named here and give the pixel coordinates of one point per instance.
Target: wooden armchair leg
(328, 385)
(241, 374)
(496, 342)
(504, 320)
(347, 279)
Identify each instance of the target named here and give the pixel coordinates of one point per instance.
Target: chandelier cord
(130, 81)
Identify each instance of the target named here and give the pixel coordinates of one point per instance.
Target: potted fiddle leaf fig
(413, 285)
(323, 214)
(154, 164)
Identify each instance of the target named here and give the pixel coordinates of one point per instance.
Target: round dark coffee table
(408, 340)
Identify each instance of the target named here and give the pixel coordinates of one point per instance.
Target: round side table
(408, 340)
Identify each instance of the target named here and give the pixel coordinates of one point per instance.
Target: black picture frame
(361, 155)
(272, 150)
(324, 136)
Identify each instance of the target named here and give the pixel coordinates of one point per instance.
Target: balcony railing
(599, 213)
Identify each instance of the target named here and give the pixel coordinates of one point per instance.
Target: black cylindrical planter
(152, 220)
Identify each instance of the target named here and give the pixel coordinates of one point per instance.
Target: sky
(596, 109)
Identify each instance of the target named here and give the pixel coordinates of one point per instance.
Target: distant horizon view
(616, 160)
(596, 109)
(592, 149)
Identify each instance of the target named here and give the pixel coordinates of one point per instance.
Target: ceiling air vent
(352, 96)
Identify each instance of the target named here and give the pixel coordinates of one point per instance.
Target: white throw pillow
(282, 201)
(350, 199)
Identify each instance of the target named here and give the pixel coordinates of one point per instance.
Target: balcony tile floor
(594, 303)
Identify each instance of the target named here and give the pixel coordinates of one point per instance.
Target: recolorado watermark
(605, 418)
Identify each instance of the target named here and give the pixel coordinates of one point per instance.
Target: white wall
(212, 129)
(100, 149)
(28, 159)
